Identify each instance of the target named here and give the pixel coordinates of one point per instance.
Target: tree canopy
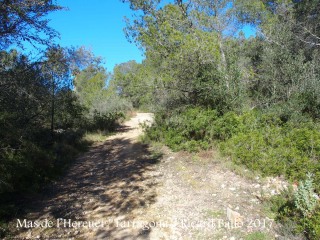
(24, 21)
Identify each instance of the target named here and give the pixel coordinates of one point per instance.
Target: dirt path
(123, 190)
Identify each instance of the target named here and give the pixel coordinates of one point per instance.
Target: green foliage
(40, 118)
(132, 82)
(104, 122)
(304, 198)
(225, 126)
(90, 86)
(298, 209)
(275, 147)
(24, 21)
(104, 108)
(35, 163)
(39, 134)
(261, 141)
(187, 60)
(312, 225)
(188, 129)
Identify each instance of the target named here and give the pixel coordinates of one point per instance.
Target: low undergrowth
(41, 158)
(298, 211)
(268, 142)
(27, 171)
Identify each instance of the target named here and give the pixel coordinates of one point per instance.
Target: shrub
(262, 141)
(275, 147)
(300, 209)
(104, 122)
(36, 163)
(305, 199)
(188, 129)
(226, 126)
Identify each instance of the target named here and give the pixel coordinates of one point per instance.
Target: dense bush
(188, 129)
(35, 163)
(262, 141)
(275, 147)
(104, 122)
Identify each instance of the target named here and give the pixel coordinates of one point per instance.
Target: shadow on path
(107, 183)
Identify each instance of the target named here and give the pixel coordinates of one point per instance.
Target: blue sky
(98, 25)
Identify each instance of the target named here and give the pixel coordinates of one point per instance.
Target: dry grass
(96, 137)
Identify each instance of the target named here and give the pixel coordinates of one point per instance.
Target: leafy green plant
(298, 210)
(305, 198)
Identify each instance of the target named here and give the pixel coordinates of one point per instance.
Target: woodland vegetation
(47, 104)
(257, 99)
